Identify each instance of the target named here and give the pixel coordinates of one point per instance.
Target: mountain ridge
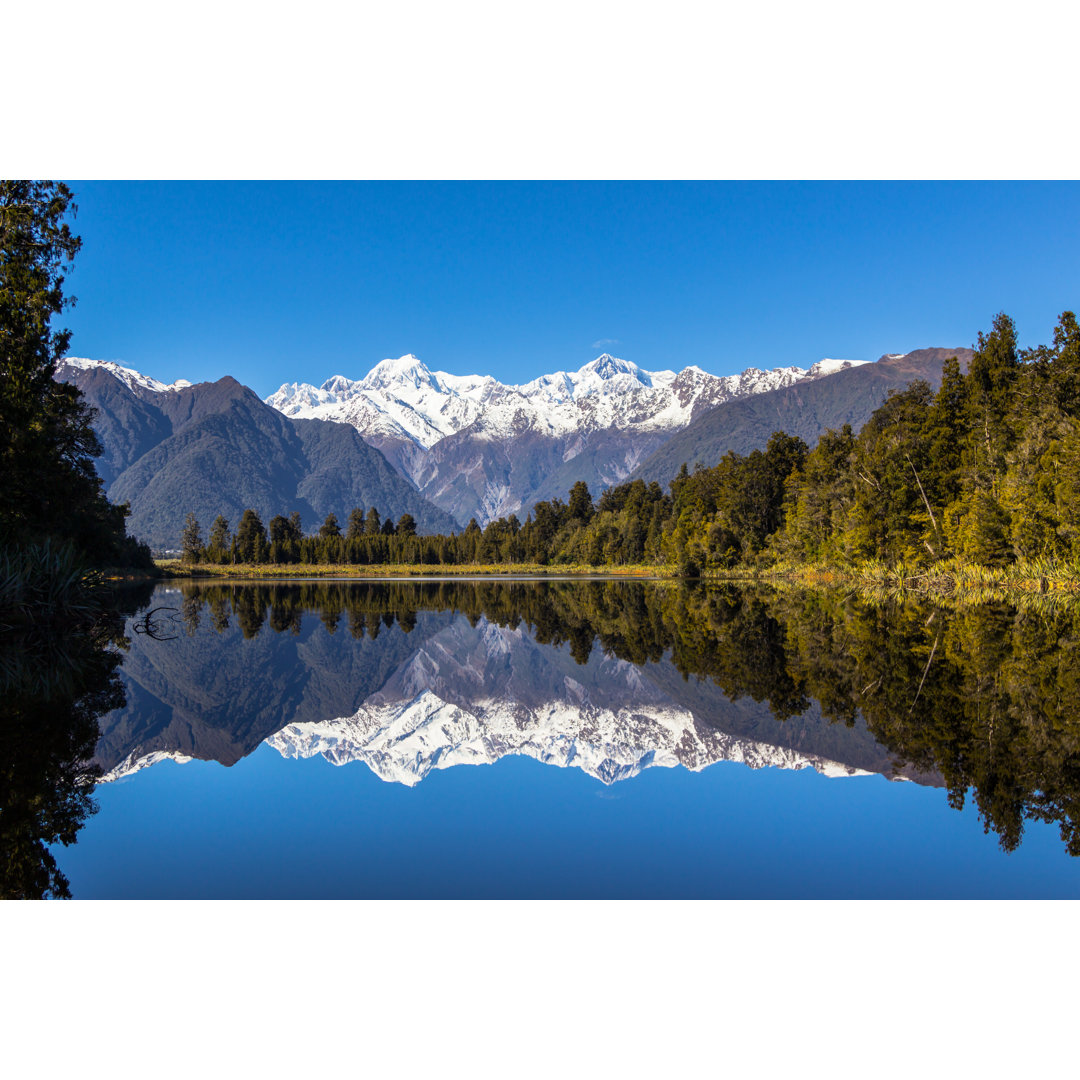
(467, 446)
(807, 410)
(485, 449)
(216, 448)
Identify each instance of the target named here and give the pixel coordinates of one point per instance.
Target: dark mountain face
(807, 409)
(128, 423)
(215, 448)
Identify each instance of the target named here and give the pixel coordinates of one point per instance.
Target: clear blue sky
(276, 282)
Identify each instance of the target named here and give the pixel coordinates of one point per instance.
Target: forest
(985, 472)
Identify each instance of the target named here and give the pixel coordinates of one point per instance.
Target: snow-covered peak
(607, 367)
(403, 401)
(133, 763)
(406, 370)
(128, 376)
(337, 385)
(403, 741)
(829, 366)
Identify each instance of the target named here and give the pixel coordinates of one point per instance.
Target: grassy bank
(176, 569)
(1055, 581)
(1043, 580)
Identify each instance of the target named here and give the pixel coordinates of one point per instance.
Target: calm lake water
(577, 739)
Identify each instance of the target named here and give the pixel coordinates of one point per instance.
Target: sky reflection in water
(502, 669)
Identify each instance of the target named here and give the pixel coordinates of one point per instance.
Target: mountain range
(215, 448)
(480, 448)
(446, 448)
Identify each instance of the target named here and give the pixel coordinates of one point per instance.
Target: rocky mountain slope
(216, 448)
(807, 408)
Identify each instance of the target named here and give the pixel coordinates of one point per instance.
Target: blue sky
(275, 282)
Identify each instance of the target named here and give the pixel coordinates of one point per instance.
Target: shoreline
(174, 570)
(1038, 581)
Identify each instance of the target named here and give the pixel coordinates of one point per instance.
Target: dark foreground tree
(50, 489)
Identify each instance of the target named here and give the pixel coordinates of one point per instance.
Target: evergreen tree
(1065, 365)
(580, 503)
(991, 379)
(280, 530)
(50, 488)
(356, 524)
(329, 527)
(944, 434)
(218, 547)
(191, 540)
(470, 542)
(250, 542)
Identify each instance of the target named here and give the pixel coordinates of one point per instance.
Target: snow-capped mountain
(474, 447)
(397, 398)
(131, 378)
(403, 742)
(480, 448)
(216, 448)
(406, 399)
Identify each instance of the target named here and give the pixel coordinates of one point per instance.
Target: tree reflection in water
(984, 695)
(55, 685)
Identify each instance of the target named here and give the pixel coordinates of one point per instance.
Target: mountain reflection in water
(613, 677)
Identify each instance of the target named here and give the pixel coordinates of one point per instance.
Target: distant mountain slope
(806, 409)
(216, 448)
(480, 448)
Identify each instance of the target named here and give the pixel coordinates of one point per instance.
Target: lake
(561, 738)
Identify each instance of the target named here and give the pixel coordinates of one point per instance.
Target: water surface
(581, 739)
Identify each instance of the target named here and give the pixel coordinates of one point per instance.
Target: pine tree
(1066, 364)
(220, 542)
(580, 503)
(191, 540)
(991, 378)
(50, 487)
(250, 543)
(356, 524)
